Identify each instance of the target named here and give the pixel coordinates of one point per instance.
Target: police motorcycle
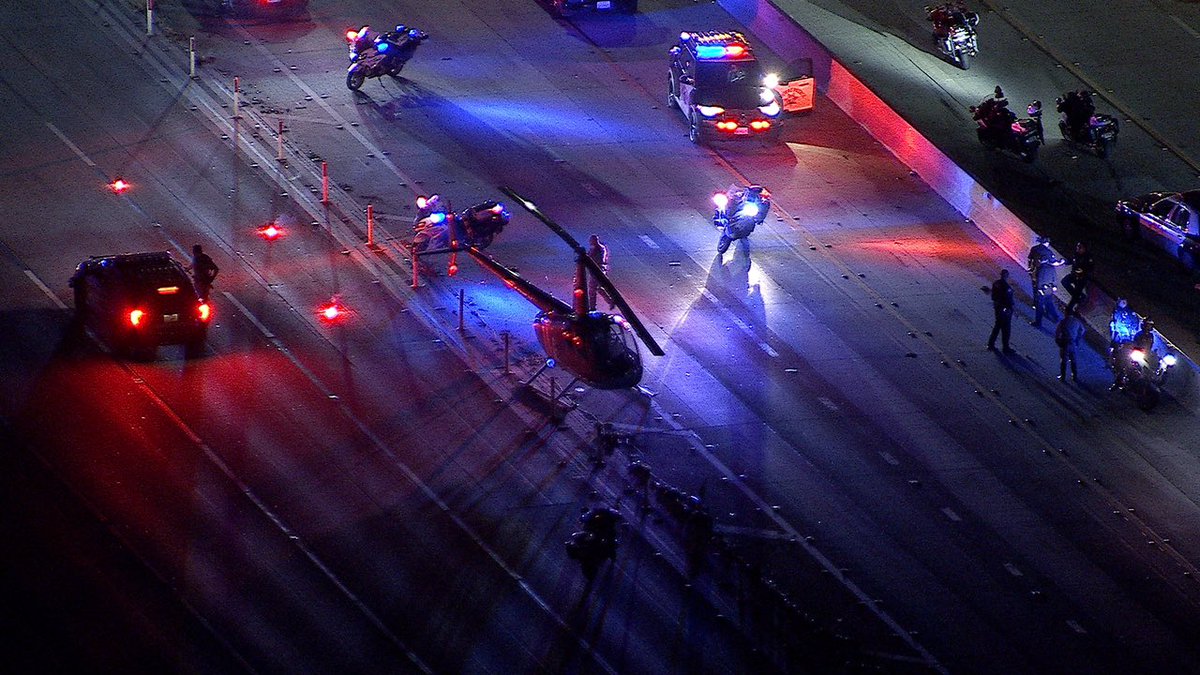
(738, 210)
(596, 540)
(998, 127)
(954, 32)
(375, 55)
(437, 227)
(1138, 368)
(1080, 123)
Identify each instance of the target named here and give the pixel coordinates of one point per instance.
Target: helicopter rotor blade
(626, 311)
(537, 213)
(593, 268)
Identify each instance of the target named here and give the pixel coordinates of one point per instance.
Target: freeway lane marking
(253, 319)
(756, 532)
(72, 146)
(1191, 31)
(416, 480)
(45, 289)
(742, 325)
(949, 513)
(648, 241)
(275, 519)
(1012, 569)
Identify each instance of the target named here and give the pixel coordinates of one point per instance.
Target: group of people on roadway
(1069, 331)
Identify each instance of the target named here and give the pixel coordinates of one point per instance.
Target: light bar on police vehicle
(715, 45)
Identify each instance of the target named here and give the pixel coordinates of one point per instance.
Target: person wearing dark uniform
(1068, 335)
(1002, 305)
(1076, 285)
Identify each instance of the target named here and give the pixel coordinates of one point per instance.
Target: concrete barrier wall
(791, 42)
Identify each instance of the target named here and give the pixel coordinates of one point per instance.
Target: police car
(1170, 220)
(135, 302)
(561, 7)
(720, 86)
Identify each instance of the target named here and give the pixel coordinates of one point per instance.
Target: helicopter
(598, 348)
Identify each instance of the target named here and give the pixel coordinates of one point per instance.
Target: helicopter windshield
(619, 351)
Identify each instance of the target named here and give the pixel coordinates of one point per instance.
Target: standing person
(598, 252)
(1083, 259)
(1002, 305)
(1040, 254)
(1043, 277)
(204, 271)
(1076, 286)
(1068, 335)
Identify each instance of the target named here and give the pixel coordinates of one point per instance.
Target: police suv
(720, 87)
(137, 301)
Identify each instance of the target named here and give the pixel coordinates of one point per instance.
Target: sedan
(1169, 219)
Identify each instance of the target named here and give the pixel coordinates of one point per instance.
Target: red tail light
(727, 125)
(204, 311)
(135, 317)
(760, 125)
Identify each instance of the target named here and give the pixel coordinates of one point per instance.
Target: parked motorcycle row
(1000, 129)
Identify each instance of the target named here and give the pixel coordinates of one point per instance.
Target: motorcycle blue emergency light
(710, 51)
(437, 217)
(382, 46)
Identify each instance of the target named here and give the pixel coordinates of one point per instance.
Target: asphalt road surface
(376, 494)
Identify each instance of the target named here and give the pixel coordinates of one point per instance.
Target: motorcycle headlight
(1169, 360)
(770, 80)
(749, 210)
(1138, 356)
(710, 110)
(721, 200)
(771, 109)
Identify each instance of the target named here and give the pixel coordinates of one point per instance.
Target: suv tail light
(135, 317)
(204, 311)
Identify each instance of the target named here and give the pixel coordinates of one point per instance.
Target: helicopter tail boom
(539, 298)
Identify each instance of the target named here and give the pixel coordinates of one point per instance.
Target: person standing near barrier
(1002, 305)
(1082, 259)
(1076, 285)
(1043, 278)
(1068, 335)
